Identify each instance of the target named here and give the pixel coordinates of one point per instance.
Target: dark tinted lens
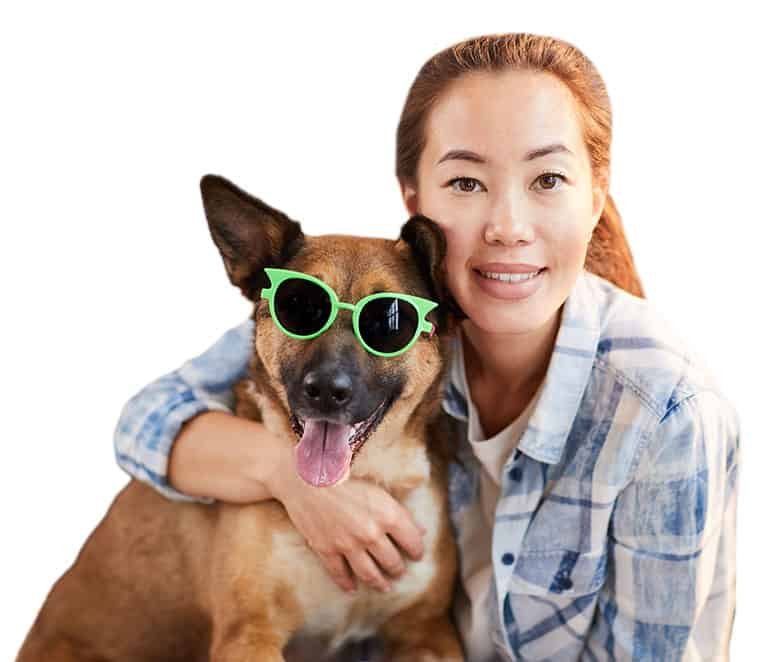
(302, 307)
(387, 324)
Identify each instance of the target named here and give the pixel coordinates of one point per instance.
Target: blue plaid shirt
(614, 537)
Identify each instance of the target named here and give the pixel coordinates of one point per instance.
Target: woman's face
(524, 219)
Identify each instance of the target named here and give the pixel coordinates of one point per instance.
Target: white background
(110, 116)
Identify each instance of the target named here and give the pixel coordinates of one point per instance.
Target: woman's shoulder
(225, 361)
(639, 345)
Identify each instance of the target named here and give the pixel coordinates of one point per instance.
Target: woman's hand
(356, 528)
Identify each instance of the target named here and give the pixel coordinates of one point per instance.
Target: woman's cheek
(455, 266)
(457, 249)
(569, 243)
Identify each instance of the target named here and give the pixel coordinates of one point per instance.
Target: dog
(161, 580)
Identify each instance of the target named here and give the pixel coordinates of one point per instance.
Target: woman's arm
(670, 591)
(154, 419)
(179, 435)
(226, 457)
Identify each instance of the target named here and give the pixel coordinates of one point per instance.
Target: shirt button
(564, 583)
(508, 559)
(516, 474)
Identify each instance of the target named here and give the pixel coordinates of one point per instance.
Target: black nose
(327, 389)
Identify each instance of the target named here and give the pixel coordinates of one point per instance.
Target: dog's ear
(249, 234)
(428, 244)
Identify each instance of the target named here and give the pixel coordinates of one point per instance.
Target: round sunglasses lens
(301, 306)
(388, 324)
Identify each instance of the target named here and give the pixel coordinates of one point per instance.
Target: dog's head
(332, 392)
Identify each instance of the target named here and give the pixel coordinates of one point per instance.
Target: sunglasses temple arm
(428, 327)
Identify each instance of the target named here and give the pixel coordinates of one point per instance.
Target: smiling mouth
(326, 449)
(510, 277)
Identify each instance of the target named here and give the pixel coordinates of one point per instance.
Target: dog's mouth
(326, 449)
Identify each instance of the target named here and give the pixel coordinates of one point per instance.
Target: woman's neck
(513, 365)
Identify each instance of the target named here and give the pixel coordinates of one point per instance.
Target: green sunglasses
(386, 323)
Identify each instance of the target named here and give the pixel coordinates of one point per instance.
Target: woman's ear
(409, 195)
(599, 188)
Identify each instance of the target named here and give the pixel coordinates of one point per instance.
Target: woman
(594, 503)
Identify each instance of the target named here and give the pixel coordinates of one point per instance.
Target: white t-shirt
(474, 609)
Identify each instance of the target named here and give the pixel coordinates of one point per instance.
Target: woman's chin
(498, 319)
(501, 324)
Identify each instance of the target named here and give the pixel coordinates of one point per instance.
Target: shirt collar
(566, 378)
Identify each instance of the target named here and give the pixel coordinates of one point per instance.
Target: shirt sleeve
(152, 418)
(670, 589)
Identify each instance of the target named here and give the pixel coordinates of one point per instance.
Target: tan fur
(167, 580)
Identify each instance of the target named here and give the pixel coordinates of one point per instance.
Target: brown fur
(176, 581)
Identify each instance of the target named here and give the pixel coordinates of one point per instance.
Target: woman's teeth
(510, 278)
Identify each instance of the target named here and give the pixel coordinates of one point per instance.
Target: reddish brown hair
(608, 254)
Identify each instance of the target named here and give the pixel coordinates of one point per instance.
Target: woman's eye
(466, 184)
(550, 178)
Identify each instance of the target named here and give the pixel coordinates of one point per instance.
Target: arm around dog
(180, 436)
(154, 419)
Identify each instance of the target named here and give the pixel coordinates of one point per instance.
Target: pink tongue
(323, 454)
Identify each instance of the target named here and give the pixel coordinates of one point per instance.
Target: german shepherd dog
(164, 581)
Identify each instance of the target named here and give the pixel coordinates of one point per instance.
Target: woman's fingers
(367, 571)
(371, 561)
(407, 534)
(387, 556)
(358, 530)
(339, 571)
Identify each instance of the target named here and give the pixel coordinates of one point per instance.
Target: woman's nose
(508, 228)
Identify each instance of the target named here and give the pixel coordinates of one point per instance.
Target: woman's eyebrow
(543, 151)
(467, 155)
(463, 155)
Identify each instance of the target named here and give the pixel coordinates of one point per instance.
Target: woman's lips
(509, 291)
(511, 267)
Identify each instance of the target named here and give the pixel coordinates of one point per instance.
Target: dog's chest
(338, 616)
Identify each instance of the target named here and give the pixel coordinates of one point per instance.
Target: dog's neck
(393, 459)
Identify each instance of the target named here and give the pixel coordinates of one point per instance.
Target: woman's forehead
(504, 115)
